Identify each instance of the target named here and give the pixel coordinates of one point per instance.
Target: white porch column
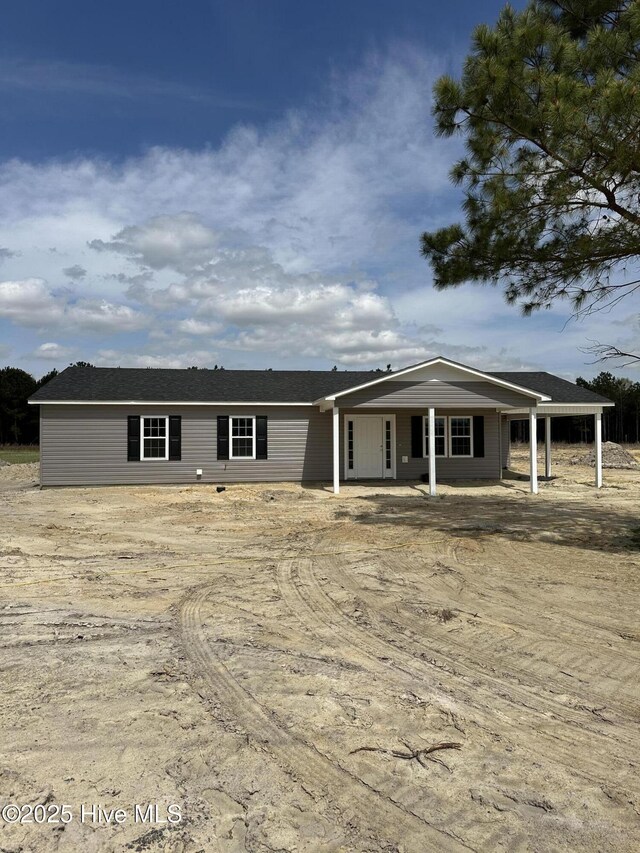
(598, 450)
(533, 451)
(336, 450)
(432, 451)
(547, 446)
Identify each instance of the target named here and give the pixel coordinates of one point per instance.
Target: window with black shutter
(223, 436)
(417, 448)
(133, 438)
(261, 437)
(175, 438)
(478, 435)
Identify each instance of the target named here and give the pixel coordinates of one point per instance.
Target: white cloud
(52, 352)
(309, 314)
(303, 302)
(180, 242)
(32, 304)
(318, 188)
(191, 326)
(266, 241)
(190, 358)
(103, 316)
(297, 242)
(29, 303)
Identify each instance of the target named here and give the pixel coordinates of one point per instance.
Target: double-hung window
(154, 438)
(461, 442)
(453, 436)
(243, 438)
(440, 436)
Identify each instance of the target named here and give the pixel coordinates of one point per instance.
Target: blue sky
(242, 183)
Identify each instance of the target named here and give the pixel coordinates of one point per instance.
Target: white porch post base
(533, 451)
(598, 418)
(547, 447)
(336, 450)
(432, 451)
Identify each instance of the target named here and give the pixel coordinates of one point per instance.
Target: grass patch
(16, 453)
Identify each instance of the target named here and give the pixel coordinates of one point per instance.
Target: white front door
(369, 446)
(367, 440)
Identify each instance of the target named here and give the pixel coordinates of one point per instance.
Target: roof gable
(436, 370)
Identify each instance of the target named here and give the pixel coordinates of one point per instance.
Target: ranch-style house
(437, 420)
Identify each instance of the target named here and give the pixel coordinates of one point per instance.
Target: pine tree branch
(608, 352)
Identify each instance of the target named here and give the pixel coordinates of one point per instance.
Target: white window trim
(232, 418)
(425, 443)
(461, 455)
(447, 437)
(164, 458)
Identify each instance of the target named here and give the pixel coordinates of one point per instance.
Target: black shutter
(417, 437)
(175, 438)
(478, 435)
(223, 436)
(133, 438)
(261, 437)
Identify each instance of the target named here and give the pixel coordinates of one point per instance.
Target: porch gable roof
(464, 369)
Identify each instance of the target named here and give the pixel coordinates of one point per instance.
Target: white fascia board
(556, 409)
(528, 392)
(159, 403)
(542, 406)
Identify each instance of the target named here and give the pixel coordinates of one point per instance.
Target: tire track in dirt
(370, 809)
(504, 549)
(620, 661)
(484, 649)
(387, 654)
(442, 595)
(387, 635)
(452, 550)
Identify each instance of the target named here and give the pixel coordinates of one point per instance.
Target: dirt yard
(281, 662)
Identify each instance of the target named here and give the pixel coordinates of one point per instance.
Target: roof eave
(165, 403)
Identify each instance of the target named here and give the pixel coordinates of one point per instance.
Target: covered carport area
(547, 411)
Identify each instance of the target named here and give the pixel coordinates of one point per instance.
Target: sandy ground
(278, 661)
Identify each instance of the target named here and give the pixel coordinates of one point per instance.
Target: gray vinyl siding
(87, 445)
(506, 441)
(447, 468)
(392, 395)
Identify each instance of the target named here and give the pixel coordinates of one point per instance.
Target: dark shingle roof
(251, 386)
(192, 386)
(560, 390)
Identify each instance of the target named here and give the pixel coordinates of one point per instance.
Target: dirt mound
(20, 471)
(613, 456)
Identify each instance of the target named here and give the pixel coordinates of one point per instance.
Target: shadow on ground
(592, 526)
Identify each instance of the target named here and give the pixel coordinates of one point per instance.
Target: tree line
(620, 423)
(19, 422)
